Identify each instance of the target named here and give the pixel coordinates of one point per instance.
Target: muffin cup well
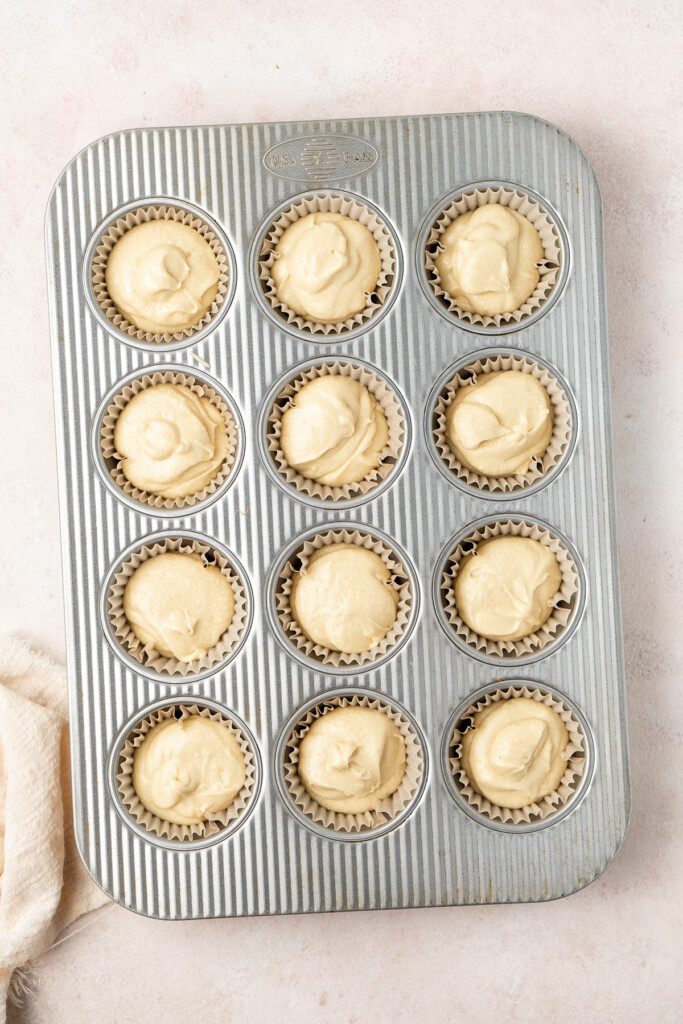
(400, 579)
(549, 268)
(145, 654)
(385, 396)
(123, 768)
(112, 459)
(541, 466)
(575, 754)
(348, 206)
(115, 231)
(564, 603)
(389, 808)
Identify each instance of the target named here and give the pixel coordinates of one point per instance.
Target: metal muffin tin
(237, 177)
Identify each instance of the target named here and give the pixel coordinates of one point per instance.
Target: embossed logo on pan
(319, 158)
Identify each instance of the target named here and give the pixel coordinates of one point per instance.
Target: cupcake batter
(187, 770)
(489, 260)
(334, 432)
(172, 440)
(162, 275)
(326, 266)
(351, 759)
(506, 590)
(498, 425)
(515, 754)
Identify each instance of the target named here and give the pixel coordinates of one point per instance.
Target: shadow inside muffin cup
(144, 658)
(554, 806)
(104, 240)
(348, 205)
(553, 268)
(544, 467)
(295, 559)
(108, 460)
(153, 828)
(391, 811)
(567, 609)
(281, 398)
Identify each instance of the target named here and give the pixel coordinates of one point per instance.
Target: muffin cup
(389, 808)
(298, 561)
(170, 830)
(348, 207)
(575, 754)
(387, 399)
(111, 236)
(549, 267)
(564, 601)
(539, 466)
(145, 654)
(112, 458)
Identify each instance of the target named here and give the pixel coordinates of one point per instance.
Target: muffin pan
(273, 856)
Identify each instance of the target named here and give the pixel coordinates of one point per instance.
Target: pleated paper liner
(391, 806)
(385, 397)
(111, 236)
(146, 654)
(564, 601)
(112, 459)
(326, 203)
(575, 755)
(549, 267)
(540, 466)
(298, 561)
(168, 829)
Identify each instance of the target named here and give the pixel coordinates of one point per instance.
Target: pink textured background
(609, 74)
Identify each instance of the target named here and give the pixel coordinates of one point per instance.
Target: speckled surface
(608, 74)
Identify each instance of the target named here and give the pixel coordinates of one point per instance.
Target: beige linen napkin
(44, 885)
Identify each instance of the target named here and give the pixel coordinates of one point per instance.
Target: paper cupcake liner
(575, 754)
(391, 806)
(112, 459)
(385, 397)
(112, 235)
(541, 465)
(168, 829)
(146, 654)
(564, 599)
(298, 561)
(549, 267)
(326, 203)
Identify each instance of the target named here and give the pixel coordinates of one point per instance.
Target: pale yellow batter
(179, 605)
(505, 591)
(171, 439)
(344, 599)
(335, 431)
(326, 266)
(514, 755)
(187, 770)
(162, 275)
(488, 265)
(351, 759)
(498, 425)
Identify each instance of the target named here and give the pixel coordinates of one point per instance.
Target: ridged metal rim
(519, 492)
(142, 670)
(140, 506)
(279, 321)
(509, 328)
(511, 660)
(321, 503)
(523, 828)
(158, 347)
(182, 845)
(366, 835)
(271, 588)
